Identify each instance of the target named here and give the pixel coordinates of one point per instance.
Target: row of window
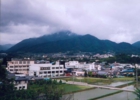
(19, 69)
(20, 62)
(50, 72)
(20, 88)
(20, 82)
(57, 68)
(44, 68)
(48, 68)
(18, 66)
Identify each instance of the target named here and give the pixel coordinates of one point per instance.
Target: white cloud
(116, 20)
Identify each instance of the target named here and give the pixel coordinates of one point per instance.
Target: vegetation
(92, 80)
(67, 88)
(122, 58)
(48, 90)
(136, 44)
(62, 42)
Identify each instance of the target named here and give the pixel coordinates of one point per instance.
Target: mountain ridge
(64, 41)
(136, 44)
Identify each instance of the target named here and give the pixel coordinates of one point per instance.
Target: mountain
(136, 44)
(67, 41)
(28, 43)
(5, 47)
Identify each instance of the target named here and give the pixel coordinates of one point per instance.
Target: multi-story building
(19, 66)
(46, 70)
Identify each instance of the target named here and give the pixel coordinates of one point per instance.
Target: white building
(19, 66)
(21, 83)
(46, 70)
(72, 64)
(83, 65)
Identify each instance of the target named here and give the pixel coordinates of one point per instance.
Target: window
(18, 82)
(16, 66)
(20, 87)
(16, 62)
(40, 72)
(53, 71)
(11, 69)
(15, 88)
(20, 62)
(57, 71)
(24, 62)
(53, 67)
(28, 62)
(57, 67)
(44, 68)
(11, 66)
(60, 71)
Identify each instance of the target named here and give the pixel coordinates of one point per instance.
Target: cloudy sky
(116, 20)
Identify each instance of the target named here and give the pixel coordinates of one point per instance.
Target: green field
(68, 88)
(92, 80)
(74, 88)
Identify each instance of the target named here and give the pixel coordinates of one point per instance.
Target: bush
(60, 82)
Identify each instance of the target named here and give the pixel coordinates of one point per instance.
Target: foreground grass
(68, 88)
(92, 80)
(73, 88)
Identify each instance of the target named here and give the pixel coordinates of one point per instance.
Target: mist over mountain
(64, 41)
(5, 47)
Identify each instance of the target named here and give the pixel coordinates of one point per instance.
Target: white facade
(19, 66)
(83, 65)
(21, 84)
(46, 70)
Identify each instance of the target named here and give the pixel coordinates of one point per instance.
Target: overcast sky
(116, 20)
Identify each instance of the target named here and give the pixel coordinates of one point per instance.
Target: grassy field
(73, 88)
(92, 80)
(68, 88)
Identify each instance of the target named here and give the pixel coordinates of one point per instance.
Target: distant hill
(5, 47)
(67, 41)
(136, 44)
(31, 42)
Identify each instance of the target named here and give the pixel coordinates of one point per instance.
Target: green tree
(2, 72)
(90, 73)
